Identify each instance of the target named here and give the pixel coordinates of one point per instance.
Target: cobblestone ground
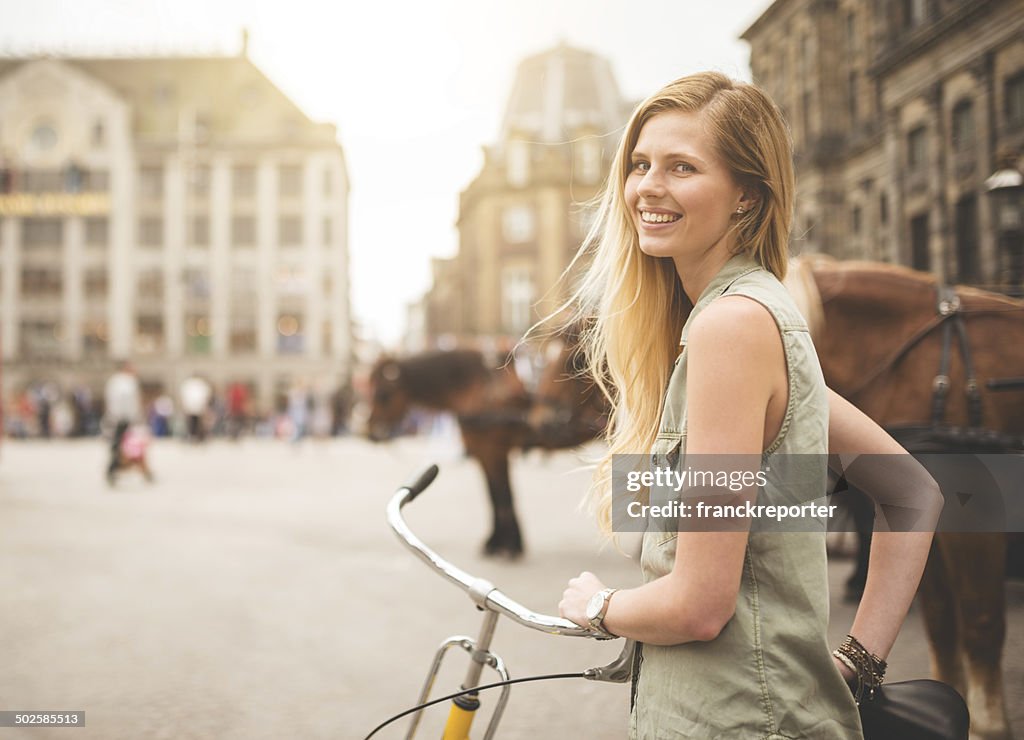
(254, 591)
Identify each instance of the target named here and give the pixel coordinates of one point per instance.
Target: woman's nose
(650, 184)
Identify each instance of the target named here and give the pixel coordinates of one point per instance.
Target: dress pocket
(665, 454)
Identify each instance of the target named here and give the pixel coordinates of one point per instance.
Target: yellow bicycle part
(460, 717)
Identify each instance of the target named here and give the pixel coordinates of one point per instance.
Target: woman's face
(679, 194)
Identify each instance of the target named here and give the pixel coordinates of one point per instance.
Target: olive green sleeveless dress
(769, 673)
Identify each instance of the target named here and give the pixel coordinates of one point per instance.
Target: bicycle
(493, 603)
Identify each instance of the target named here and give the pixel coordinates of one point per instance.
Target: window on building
(917, 149)
(149, 285)
(855, 220)
(851, 33)
(243, 334)
(517, 224)
(1014, 94)
(97, 231)
(588, 160)
(41, 282)
(326, 337)
(151, 231)
(94, 339)
(291, 280)
(328, 231)
(96, 282)
(963, 126)
(243, 181)
(289, 181)
(243, 231)
(516, 299)
(517, 163)
(199, 235)
(42, 232)
(151, 182)
(920, 254)
(328, 181)
(967, 239)
(243, 288)
(41, 181)
(290, 337)
(197, 284)
(289, 231)
(883, 209)
(199, 180)
(149, 334)
(44, 137)
(96, 181)
(40, 339)
(197, 334)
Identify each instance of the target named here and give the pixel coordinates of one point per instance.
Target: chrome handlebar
(481, 591)
(487, 597)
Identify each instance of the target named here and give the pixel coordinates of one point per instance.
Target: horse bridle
(950, 316)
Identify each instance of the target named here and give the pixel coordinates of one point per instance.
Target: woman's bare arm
(897, 557)
(728, 389)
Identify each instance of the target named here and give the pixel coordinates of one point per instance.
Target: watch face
(594, 605)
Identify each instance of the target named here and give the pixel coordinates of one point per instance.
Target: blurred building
(525, 214)
(181, 212)
(899, 110)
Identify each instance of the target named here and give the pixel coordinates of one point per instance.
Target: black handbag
(915, 710)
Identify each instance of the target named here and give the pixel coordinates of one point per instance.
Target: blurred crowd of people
(195, 411)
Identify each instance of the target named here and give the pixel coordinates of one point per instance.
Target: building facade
(181, 213)
(900, 110)
(525, 215)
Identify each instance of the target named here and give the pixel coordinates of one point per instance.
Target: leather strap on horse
(898, 355)
(948, 307)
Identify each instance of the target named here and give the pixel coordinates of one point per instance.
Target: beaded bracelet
(868, 667)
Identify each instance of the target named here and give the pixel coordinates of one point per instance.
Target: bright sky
(415, 88)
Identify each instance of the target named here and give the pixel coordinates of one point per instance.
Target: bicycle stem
(482, 652)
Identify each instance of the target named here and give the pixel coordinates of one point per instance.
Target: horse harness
(949, 315)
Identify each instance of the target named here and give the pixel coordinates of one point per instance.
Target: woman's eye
(641, 167)
(685, 167)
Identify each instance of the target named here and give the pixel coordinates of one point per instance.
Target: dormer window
(44, 137)
(517, 163)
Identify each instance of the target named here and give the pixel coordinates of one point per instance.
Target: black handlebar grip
(425, 479)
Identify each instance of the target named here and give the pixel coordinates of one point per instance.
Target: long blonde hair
(632, 306)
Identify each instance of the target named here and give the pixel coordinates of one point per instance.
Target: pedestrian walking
(123, 408)
(195, 401)
(684, 294)
(237, 408)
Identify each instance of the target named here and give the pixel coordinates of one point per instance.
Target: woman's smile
(655, 217)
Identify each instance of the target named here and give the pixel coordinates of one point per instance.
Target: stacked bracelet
(868, 667)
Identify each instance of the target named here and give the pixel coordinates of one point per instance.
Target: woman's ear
(748, 200)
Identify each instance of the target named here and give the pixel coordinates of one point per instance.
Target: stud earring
(740, 210)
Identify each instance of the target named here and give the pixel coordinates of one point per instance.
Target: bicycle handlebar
(481, 591)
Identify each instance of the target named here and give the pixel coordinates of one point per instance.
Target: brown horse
(882, 346)
(490, 405)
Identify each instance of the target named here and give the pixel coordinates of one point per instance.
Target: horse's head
(389, 400)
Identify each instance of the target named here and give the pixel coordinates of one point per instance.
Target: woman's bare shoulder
(735, 320)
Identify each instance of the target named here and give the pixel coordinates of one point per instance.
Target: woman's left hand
(573, 605)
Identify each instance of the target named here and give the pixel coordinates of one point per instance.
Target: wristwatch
(597, 607)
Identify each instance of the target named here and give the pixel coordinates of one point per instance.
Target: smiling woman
(704, 356)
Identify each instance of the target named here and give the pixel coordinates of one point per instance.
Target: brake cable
(550, 676)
